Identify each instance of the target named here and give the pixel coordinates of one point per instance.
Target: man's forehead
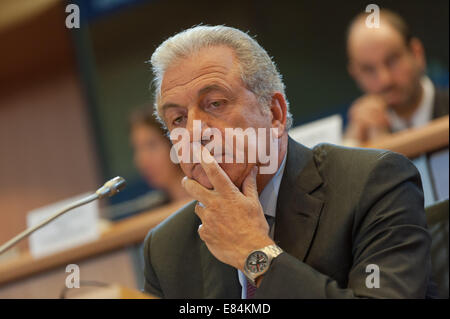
(185, 79)
(363, 40)
(208, 62)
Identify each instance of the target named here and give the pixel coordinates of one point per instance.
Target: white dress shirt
(422, 115)
(268, 199)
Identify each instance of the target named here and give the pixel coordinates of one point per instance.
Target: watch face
(257, 262)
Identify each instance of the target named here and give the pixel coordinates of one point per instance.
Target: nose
(384, 78)
(196, 124)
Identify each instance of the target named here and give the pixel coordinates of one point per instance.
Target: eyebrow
(213, 87)
(168, 105)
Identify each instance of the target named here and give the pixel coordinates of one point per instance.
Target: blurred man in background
(389, 66)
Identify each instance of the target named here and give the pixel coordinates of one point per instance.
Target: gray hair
(258, 71)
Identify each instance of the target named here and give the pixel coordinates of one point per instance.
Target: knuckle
(199, 211)
(202, 231)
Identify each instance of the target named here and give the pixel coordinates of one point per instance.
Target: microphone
(110, 188)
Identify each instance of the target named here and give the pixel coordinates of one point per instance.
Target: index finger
(216, 175)
(196, 190)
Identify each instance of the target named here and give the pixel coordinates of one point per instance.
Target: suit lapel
(298, 211)
(440, 105)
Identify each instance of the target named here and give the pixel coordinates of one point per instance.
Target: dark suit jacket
(338, 210)
(440, 105)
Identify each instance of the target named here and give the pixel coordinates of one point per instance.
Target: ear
(278, 108)
(418, 52)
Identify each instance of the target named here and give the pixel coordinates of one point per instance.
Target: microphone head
(112, 187)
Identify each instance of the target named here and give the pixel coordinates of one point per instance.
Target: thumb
(249, 187)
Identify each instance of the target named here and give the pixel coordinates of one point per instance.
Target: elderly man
(330, 222)
(389, 65)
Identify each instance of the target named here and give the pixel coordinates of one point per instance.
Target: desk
(419, 144)
(109, 248)
(417, 141)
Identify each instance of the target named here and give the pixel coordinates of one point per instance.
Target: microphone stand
(110, 188)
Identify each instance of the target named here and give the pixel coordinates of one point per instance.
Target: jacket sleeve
(389, 233)
(151, 283)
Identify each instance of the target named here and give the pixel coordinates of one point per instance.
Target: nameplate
(326, 130)
(74, 228)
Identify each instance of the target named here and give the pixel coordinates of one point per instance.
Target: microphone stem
(31, 230)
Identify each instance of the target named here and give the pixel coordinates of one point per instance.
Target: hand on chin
(199, 175)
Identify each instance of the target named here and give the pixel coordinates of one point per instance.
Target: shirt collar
(269, 195)
(424, 112)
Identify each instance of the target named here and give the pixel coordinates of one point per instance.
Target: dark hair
(395, 20)
(144, 116)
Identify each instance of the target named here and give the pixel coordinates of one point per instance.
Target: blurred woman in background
(151, 148)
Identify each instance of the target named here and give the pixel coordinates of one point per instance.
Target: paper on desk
(73, 228)
(326, 130)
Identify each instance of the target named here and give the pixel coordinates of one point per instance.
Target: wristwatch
(258, 262)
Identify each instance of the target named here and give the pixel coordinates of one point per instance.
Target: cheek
(236, 172)
(369, 84)
(407, 72)
(142, 160)
(163, 161)
(161, 157)
(406, 78)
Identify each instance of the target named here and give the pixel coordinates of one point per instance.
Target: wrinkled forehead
(187, 74)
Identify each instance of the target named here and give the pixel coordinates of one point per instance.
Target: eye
(178, 120)
(216, 104)
(392, 60)
(367, 69)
